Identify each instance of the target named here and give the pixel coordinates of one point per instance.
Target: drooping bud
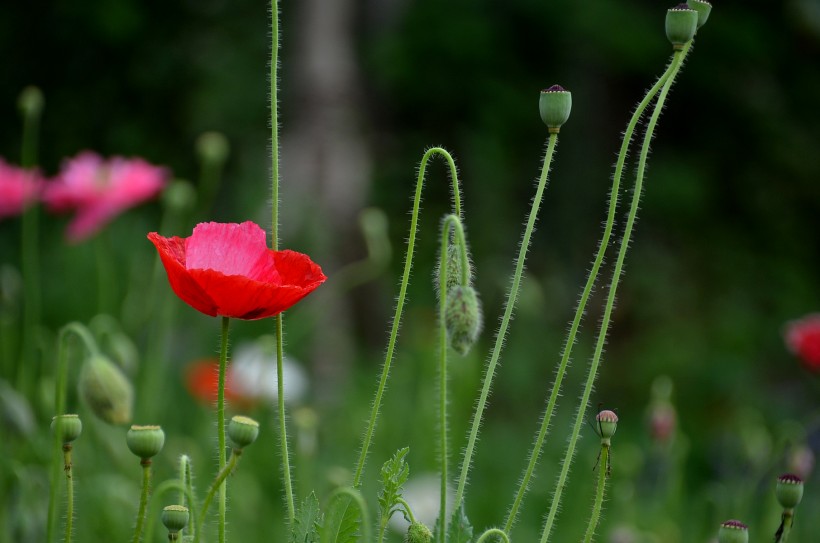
(462, 318)
(418, 533)
(69, 426)
(555, 105)
(106, 391)
(242, 431)
(452, 264)
(789, 490)
(213, 147)
(681, 24)
(145, 441)
(175, 518)
(607, 424)
(703, 8)
(733, 531)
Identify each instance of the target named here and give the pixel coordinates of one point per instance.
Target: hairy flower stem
(218, 483)
(220, 426)
(408, 266)
(501, 335)
(546, 418)
(60, 388)
(603, 468)
(451, 222)
(501, 534)
(146, 488)
(69, 485)
(673, 69)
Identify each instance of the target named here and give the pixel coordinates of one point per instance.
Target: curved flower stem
(216, 485)
(674, 67)
(146, 487)
(408, 266)
(61, 384)
(161, 490)
(546, 418)
(407, 509)
(220, 426)
(505, 321)
(491, 532)
(69, 482)
(603, 468)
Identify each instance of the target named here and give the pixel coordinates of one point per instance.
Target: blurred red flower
(202, 381)
(228, 270)
(18, 188)
(100, 189)
(803, 339)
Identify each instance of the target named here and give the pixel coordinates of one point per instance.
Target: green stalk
(220, 425)
(546, 418)
(69, 481)
(218, 483)
(677, 59)
(501, 335)
(599, 494)
(146, 486)
(494, 532)
(786, 521)
(408, 266)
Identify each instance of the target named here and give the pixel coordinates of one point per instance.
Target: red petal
(172, 252)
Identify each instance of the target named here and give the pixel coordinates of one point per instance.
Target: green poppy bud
(69, 426)
(213, 147)
(452, 263)
(703, 8)
(106, 391)
(789, 490)
(733, 531)
(242, 431)
(555, 105)
(31, 101)
(607, 424)
(179, 195)
(418, 533)
(681, 24)
(175, 518)
(462, 318)
(145, 441)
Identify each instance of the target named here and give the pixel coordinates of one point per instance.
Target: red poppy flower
(228, 270)
(202, 381)
(803, 339)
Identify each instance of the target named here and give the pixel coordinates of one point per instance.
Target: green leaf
(342, 522)
(307, 522)
(459, 530)
(394, 474)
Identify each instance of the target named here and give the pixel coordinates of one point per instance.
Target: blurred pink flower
(803, 339)
(18, 189)
(101, 189)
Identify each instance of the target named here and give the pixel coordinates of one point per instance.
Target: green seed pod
(555, 105)
(733, 531)
(31, 101)
(213, 147)
(242, 431)
(106, 391)
(789, 490)
(703, 8)
(681, 24)
(418, 533)
(145, 441)
(69, 426)
(175, 518)
(462, 318)
(607, 424)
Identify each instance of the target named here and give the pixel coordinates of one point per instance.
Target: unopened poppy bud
(31, 101)
(462, 318)
(733, 531)
(418, 533)
(789, 490)
(555, 105)
(607, 424)
(242, 431)
(106, 391)
(145, 441)
(179, 195)
(681, 24)
(175, 518)
(213, 147)
(69, 426)
(703, 8)
(452, 264)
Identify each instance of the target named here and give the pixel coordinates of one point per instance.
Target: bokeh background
(725, 252)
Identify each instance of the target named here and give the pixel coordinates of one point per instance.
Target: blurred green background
(725, 251)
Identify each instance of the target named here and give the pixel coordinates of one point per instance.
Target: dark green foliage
(308, 522)
(342, 522)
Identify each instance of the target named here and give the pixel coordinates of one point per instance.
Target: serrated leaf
(307, 522)
(341, 523)
(394, 474)
(459, 530)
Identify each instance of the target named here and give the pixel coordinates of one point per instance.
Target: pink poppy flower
(18, 189)
(99, 190)
(803, 339)
(228, 270)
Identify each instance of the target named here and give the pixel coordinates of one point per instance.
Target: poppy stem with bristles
(220, 424)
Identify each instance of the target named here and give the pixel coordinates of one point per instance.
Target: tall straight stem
(146, 486)
(505, 321)
(69, 483)
(220, 425)
(599, 494)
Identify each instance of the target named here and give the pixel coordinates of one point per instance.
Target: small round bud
(106, 390)
(607, 424)
(31, 101)
(555, 105)
(242, 431)
(733, 531)
(703, 8)
(179, 195)
(175, 518)
(462, 318)
(213, 147)
(145, 441)
(681, 24)
(789, 490)
(418, 533)
(69, 426)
